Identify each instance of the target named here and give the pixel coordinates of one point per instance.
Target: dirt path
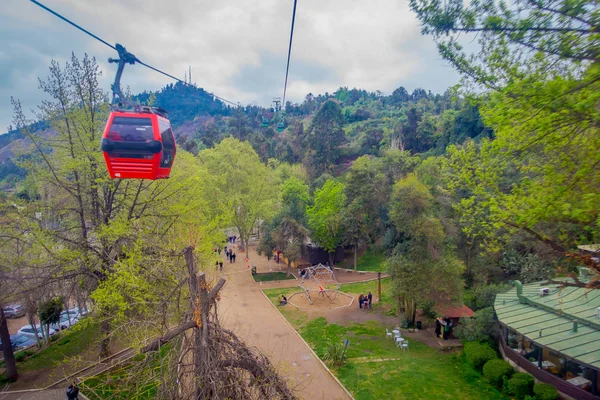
(244, 309)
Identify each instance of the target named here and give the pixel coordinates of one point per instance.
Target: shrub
(520, 385)
(478, 354)
(20, 356)
(334, 354)
(544, 391)
(495, 370)
(478, 328)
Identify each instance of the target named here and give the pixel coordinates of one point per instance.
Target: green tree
(245, 189)
(423, 268)
(326, 135)
(325, 216)
(367, 192)
(49, 313)
(294, 199)
(289, 236)
(83, 224)
(539, 61)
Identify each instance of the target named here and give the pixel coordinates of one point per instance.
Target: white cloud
(374, 45)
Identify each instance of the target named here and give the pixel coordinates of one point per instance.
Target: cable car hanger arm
(125, 57)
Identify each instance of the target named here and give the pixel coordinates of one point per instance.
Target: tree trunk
(105, 343)
(289, 271)
(331, 259)
(7, 350)
(355, 251)
(246, 245)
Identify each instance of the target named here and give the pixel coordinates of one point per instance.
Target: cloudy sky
(237, 48)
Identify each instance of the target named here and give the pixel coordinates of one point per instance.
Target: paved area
(245, 310)
(50, 394)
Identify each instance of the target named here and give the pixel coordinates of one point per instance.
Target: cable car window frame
(168, 141)
(138, 122)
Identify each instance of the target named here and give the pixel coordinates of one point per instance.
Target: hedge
(478, 354)
(495, 370)
(544, 391)
(520, 385)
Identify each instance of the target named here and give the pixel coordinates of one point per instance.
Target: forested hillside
(355, 123)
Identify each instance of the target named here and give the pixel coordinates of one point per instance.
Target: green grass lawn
(70, 343)
(370, 261)
(272, 276)
(387, 306)
(137, 379)
(420, 373)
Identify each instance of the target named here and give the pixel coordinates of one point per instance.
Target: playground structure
(318, 283)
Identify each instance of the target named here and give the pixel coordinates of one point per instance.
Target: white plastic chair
(404, 345)
(388, 334)
(398, 340)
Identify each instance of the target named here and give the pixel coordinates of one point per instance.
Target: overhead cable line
(287, 68)
(115, 48)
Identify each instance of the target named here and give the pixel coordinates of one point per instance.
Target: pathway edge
(309, 348)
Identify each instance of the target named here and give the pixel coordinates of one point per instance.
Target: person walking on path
(360, 300)
(233, 256)
(370, 299)
(221, 265)
(72, 392)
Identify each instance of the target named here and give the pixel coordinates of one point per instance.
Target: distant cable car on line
(138, 142)
(265, 122)
(280, 127)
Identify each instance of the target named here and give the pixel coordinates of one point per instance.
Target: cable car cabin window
(132, 130)
(125, 129)
(168, 154)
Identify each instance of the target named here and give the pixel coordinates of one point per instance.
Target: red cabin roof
(457, 312)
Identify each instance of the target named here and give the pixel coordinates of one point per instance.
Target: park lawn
(272, 276)
(386, 305)
(421, 373)
(137, 379)
(71, 342)
(371, 261)
(295, 317)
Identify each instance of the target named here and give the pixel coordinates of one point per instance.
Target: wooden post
(378, 287)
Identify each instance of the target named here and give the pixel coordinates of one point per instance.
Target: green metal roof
(548, 320)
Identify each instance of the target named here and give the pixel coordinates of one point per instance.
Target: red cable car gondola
(138, 144)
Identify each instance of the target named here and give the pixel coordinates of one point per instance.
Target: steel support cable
(114, 48)
(287, 68)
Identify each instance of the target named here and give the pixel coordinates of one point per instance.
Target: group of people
(443, 327)
(230, 254)
(232, 239)
(365, 301)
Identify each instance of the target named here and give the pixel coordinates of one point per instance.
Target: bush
(478, 354)
(544, 391)
(478, 328)
(20, 356)
(520, 385)
(334, 354)
(495, 370)
(483, 296)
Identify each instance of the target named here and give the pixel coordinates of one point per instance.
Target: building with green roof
(553, 332)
